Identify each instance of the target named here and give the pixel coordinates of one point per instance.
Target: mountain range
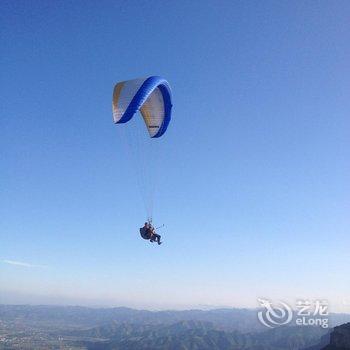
(78, 328)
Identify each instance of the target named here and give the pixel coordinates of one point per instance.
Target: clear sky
(254, 188)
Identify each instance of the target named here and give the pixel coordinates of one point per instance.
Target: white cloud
(20, 263)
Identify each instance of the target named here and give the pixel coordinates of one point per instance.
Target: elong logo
(309, 313)
(274, 315)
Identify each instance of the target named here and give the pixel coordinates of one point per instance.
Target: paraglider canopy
(151, 96)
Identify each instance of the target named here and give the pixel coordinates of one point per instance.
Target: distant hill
(74, 327)
(243, 320)
(324, 340)
(336, 339)
(339, 338)
(195, 335)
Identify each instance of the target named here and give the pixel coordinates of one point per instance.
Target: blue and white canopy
(151, 96)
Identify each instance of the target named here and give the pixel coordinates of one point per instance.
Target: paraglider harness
(146, 233)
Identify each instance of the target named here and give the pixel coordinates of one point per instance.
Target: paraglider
(152, 98)
(149, 232)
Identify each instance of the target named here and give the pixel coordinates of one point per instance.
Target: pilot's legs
(156, 238)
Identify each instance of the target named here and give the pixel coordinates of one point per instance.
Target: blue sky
(254, 184)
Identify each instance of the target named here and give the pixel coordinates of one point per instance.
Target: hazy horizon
(18, 298)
